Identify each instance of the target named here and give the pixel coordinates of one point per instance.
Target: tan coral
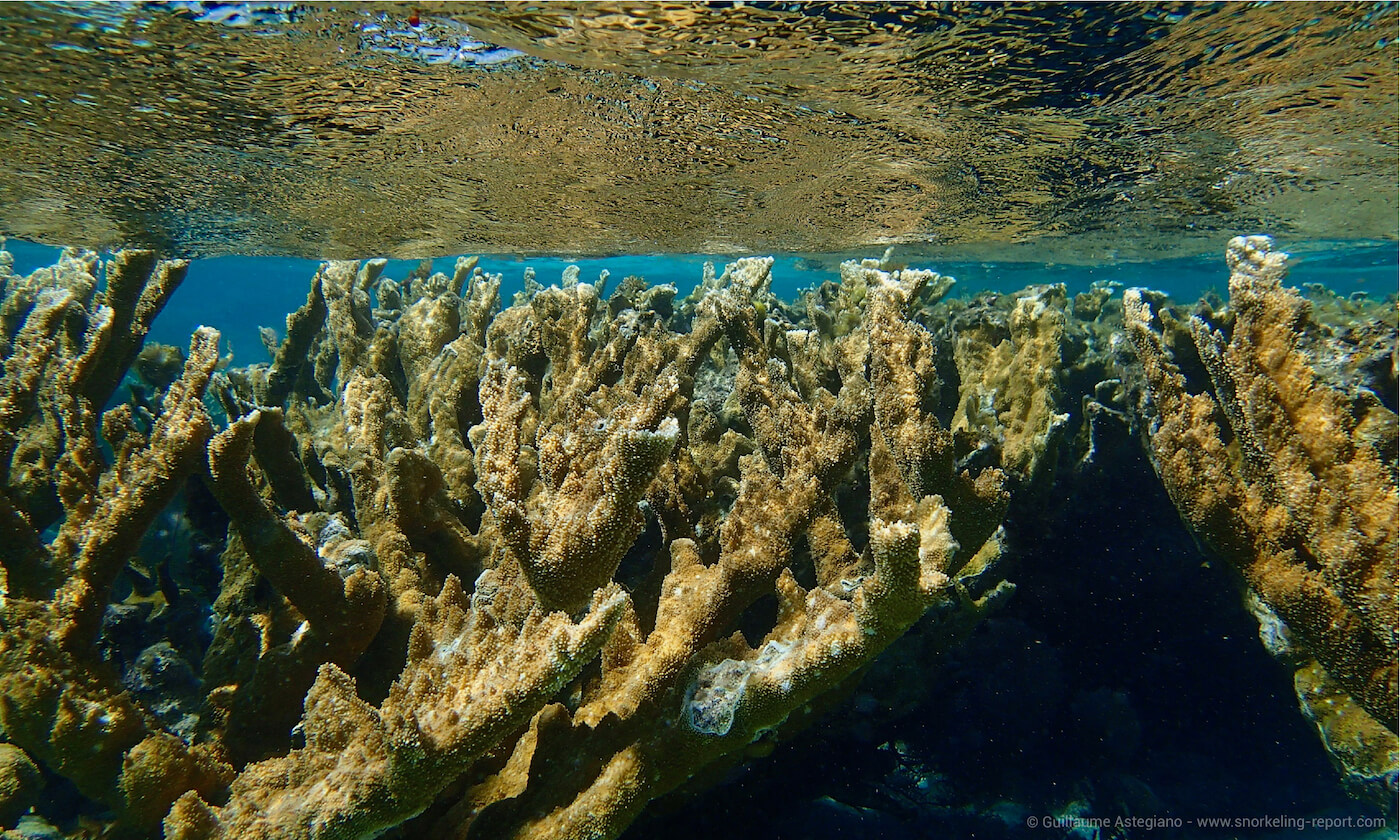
(436, 512)
(596, 446)
(60, 705)
(1273, 469)
(472, 678)
(341, 609)
(20, 782)
(715, 694)
(1010, 388)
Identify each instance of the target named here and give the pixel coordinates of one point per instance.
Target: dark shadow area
(1125, 678)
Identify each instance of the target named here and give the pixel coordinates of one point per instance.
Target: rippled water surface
(1082, 133)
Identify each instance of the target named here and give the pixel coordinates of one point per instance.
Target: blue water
(238, 295)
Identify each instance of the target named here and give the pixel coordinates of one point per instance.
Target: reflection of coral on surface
(505, 573)
(1287, 476)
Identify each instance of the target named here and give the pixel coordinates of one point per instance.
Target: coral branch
(96, 540)
(1273, 471)
(60, 704)
(470, 681)
(337, 605)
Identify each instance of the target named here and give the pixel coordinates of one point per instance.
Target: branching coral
(69, 345)
(1279, 471)
(585, 434)
(517, 573)
(1011, 389)
(525, 453)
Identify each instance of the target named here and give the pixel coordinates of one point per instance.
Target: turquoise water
(238, 295)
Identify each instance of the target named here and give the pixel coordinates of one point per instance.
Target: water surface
(1071, 133)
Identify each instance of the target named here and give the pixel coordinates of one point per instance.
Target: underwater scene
(782, 420)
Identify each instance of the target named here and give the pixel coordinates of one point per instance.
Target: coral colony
(497, 570)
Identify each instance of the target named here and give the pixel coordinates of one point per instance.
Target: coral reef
(483, 546)
(73, 516)
(586, 432)
(517, 572)
(1288, 471)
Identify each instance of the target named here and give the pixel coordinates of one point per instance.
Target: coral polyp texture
(1287, 469)
(516, 572)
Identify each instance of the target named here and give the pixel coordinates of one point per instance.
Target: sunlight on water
(1094, 133)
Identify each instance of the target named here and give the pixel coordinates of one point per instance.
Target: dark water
(1125, 677)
